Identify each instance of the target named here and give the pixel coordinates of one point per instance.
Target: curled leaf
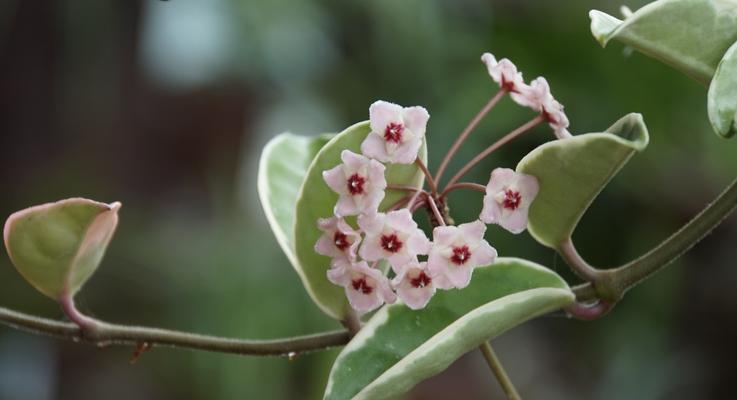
(722, 101)
(56, 247)
(689, 35)
(282, 168)
(571, 173)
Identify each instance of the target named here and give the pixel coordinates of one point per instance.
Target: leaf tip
(632, 128)
(603, 26)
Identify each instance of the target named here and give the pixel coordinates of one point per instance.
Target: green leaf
(400, 347)
(689, 35)
(722, 101)
(58, 246)
(316, 200)
(571, 173)
(282, 168)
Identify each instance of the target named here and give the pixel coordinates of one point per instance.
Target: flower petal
(335, 179)
(374, 146)
(382, 113)
(415, 118)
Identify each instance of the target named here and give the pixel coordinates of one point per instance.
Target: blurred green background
(165, 106)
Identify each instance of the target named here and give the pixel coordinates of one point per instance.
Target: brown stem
(465, 185)
(110, 334)
(499, 372)
(471, 126)
(499, 143)
(434, 207)
(428, 175)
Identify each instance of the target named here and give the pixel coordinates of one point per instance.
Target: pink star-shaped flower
(557, 119)
(366, 288)
(414, 285)
(360, 183)
(339, 240)
(396, 132)
(503, 72)
(508, 198)
(393, 236)
(537, 96)
(456, 251)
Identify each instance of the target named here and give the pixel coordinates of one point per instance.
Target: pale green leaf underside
(282, 168)
(690, 35)
(316, 200)
(56, 247)
(400, 347)
(571, 173)
(722, 100)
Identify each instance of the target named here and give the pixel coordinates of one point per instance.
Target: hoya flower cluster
(360, 239)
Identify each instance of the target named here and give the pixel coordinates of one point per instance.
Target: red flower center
(341, 240)
(391, 243)
(420, 281)
(360, 285)
(460, 255)
(512, 199)
(393, 132)
(509, 86)
(355, 184)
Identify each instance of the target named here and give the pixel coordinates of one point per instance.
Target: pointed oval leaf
(722, 101)
(316, 200)
(56, 247)
(400, 347)
(689, 35)
(571, 173)
(282, 168)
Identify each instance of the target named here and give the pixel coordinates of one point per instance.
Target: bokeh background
(165, 106)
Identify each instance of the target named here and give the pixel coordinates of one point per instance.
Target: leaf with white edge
(316, 200)
(571, 173)
(722, 100)
(399, 347)
(689, 35)
(282, 168)
(56, 247)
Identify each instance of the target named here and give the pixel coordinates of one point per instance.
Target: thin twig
(499, 372)
(465, 185)
(467, 131)
(428, 175)
(404, 188)
(412, 206)
(399, 203)
(110, 334)
(436, 211)
(499, 143)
